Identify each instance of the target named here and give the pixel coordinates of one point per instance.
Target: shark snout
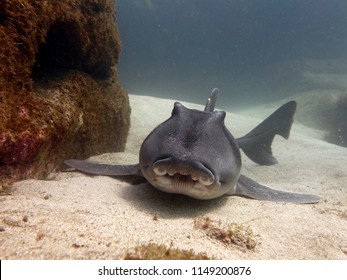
(191, 178)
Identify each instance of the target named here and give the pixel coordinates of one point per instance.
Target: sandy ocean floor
(75, 216)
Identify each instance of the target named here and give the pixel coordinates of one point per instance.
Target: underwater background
(254, 51)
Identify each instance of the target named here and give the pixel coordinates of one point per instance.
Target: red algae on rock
(22, 149)
(59, 94)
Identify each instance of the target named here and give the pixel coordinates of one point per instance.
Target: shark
(193, 153)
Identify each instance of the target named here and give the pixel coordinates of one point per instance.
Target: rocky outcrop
(59, 94)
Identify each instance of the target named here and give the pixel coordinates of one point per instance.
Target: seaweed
(231, 234)
(153, 251)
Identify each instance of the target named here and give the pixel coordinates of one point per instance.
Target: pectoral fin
(96, 168)
(248, 188)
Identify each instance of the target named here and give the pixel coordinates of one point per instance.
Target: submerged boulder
(59, 94)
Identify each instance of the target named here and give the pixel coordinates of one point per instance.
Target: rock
(337, 125)
(325, 110)
(59, 94)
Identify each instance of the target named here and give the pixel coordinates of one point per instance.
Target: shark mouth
(182, 177)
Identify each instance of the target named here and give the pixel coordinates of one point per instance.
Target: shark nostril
(160, 171)
(204, 180)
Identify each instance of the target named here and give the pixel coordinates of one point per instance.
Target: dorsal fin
(211, 101)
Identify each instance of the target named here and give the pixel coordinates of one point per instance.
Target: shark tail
(257, 143)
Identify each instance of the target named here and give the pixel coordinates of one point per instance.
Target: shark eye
(205, 180)
(160, 171)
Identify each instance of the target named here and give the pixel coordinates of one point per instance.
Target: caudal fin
(257, 143)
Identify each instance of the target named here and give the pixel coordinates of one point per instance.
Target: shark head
(192, 153)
